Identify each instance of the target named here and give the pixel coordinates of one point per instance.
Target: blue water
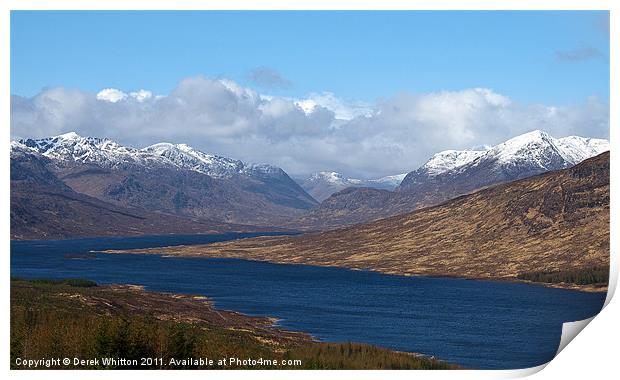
(477, 324)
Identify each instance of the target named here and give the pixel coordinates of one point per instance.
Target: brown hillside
(555, 221)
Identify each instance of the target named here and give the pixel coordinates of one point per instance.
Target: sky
(363, 93)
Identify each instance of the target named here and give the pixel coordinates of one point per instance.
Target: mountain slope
(174, 179)
(43, 207)
(554, 221)
(353, 205)
(450, 174)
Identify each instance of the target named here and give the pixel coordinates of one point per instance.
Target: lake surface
(477, 324)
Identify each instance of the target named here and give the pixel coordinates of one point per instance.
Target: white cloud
(343, 110)
(114, 95)
(111, 95)
(141, 95)
(321, 132)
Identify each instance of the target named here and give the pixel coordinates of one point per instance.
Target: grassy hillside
(76, 319)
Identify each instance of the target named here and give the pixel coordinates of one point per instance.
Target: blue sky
(550, 57)
(363, 93)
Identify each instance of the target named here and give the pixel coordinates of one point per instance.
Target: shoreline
(136, 302)
(161, 251)
(590, 288)
(266, 233)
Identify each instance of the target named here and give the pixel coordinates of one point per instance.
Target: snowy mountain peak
(186, 157)
(71, 148)
(69, 136)
(393, 180)
(323, 184)
(534, 135)
(450, 159)
(521, 156)
(542, 149)
(332, 178)
(529, 139)
(536, 147)
(576, 149)
(264, 170)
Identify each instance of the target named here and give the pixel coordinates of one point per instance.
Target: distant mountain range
(451, 173)
(44, 207)
(322, 185)
(70, 148)
(193, 191)
(164, 178)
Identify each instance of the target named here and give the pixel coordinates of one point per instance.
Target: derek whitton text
(109, 362)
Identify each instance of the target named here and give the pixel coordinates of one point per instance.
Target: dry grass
(552, 222)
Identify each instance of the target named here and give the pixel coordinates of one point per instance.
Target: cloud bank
(321, 132)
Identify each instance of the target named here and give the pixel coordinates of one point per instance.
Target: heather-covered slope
(556, 221)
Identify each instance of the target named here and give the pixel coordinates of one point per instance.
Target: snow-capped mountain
(452, 173)
(71, 148)
(389, 182)
(18, 149)
(522, 156)
(169, 178)
(576, 149)
(185, 157)
(450, 159)
(333, 178)
(539, 148)
(321, 185)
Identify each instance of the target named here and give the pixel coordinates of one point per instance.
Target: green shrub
(587, 276)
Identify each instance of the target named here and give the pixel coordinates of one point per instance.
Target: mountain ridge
(110, 154)
(179, 180)
(44, 207)
(450, 174)
(171, 179)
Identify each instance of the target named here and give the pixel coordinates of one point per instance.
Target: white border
(593, 353)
